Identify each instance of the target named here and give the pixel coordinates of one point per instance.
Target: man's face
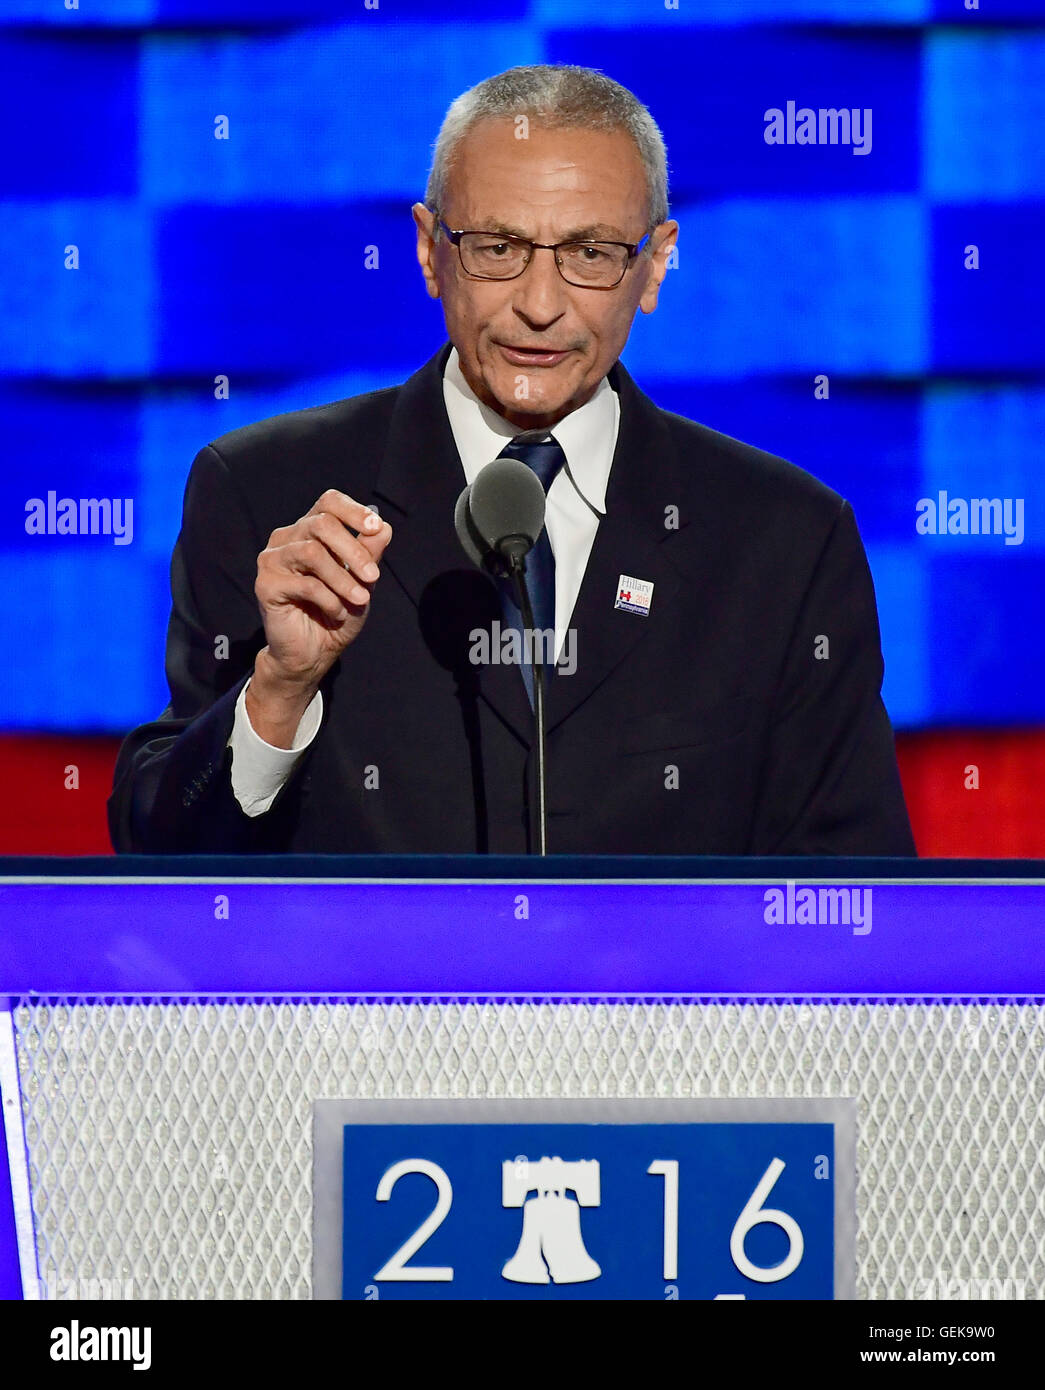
(557, 185)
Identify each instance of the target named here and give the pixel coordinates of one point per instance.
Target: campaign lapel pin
(634, 595)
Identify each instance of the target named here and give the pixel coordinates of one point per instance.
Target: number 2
(397, 1268)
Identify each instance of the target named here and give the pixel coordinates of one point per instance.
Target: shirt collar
(587, 435)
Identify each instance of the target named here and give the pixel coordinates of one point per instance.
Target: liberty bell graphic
(551, 1247)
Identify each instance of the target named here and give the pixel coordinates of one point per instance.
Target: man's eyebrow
(491, 224)
(595, 231)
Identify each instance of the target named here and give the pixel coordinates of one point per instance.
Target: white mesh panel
(170, 1142)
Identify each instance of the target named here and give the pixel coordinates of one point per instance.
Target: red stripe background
(1002, 817)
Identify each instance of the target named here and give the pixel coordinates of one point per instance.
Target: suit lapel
(420, 479)
(632, 539)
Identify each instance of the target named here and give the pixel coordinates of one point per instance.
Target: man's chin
(542, 399)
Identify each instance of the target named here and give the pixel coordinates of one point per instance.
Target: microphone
(501, 513)
(471, 541)
(498, 520)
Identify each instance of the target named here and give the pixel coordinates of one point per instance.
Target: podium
(167, 1027)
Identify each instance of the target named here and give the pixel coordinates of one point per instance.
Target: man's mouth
(534, 356)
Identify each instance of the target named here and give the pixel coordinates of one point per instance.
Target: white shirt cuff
(260, 770)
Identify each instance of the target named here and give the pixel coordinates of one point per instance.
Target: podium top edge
(510, 868)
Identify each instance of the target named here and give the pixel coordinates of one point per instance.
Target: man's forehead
(549, 156)
(560, 173)
(522, 133)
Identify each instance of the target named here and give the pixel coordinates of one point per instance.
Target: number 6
(754, 1215)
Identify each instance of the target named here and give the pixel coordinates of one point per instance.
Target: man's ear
(663, 239)
(426, 228)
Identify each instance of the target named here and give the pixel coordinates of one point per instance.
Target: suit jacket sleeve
(172, 787)
(831, 783)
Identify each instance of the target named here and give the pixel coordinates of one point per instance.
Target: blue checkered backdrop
(141, 258)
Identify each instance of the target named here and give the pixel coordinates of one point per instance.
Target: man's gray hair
(555, 95)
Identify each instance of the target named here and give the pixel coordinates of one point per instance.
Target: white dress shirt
(588, 438)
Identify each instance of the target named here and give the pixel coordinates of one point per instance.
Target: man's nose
(541, 292)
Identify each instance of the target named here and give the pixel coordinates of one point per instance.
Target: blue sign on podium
(582, 1199)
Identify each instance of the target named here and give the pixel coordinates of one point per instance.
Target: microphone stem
(518, 566)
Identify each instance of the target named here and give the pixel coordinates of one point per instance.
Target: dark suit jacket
(708, 727)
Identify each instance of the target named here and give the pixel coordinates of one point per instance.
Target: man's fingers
(320, 561)
(306, 588)
(346, 509)
(377, 542)
(354, 552)
(311, 557)
(348, 550)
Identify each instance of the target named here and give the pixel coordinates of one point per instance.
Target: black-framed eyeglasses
(591, 265)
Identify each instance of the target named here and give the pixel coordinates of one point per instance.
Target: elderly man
(718, 687)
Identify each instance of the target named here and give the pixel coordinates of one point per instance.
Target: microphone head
(471, 542)
(507, 501)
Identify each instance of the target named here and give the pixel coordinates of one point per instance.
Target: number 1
(668, 1168)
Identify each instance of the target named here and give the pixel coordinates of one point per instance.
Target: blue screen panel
(237, 278)
(711, 90)
(91, 320)
(369, 137)
(76, 120)
(62, 674)
(982, 136)
(976, 641)
(784, 285)
(988, 318)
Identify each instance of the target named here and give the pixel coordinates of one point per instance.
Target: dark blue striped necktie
(545, 459)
